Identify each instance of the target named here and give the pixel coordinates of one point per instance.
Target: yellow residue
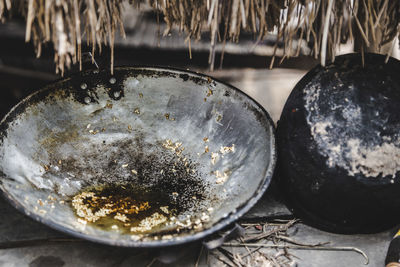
(164, 209)
(175, 147)
(214, 158)
(109, 104)
(149, 223)
(222, 177)
(121, 217)
(227, 149)
(90, 207)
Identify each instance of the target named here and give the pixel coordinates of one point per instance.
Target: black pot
(339, 145)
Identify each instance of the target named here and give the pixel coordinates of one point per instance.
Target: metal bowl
(85, 154)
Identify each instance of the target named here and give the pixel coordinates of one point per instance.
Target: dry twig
(326, 248)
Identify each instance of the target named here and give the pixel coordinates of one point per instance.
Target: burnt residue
(123, 207)
(342, 113)
(163, 177)
(184, 77)
(156, 73)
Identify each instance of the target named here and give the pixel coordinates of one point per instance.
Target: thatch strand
(323, 24)
(63, 23)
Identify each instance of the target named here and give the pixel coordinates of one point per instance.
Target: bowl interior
(198, 151)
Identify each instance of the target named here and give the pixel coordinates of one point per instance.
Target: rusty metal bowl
(143, 158)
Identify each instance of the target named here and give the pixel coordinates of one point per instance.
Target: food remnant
(214, 158)
(42, 211)
(227, 149)
(81, 221)
(129, 210)
(165, 209)
(92, 207)
(137, 111)
(222, 177)
(168, 117)
(136, 237)
(94, 132)
(149, 223)
(205, 217)
(206, 149)
(121, 217)
(175, 147)
(219, 117)
(109, 105)
(167, 237)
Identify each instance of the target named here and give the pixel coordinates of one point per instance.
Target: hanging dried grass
(64, 23)
(324, 24)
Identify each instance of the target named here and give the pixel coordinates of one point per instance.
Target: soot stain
(138, 172)
(184, 77)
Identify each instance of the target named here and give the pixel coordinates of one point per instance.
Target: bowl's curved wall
(128, 128)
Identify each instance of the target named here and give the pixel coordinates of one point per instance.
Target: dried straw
(324, 24)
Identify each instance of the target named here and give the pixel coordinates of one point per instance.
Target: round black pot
(339, 145)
